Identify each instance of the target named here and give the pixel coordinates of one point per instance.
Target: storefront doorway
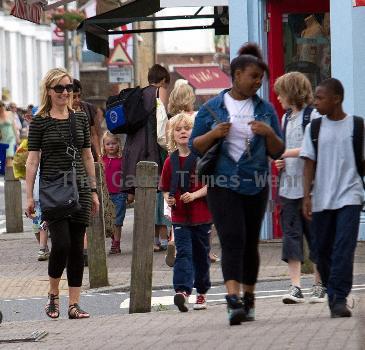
(298, 40)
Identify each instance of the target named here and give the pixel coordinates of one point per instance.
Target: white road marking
(169, 299)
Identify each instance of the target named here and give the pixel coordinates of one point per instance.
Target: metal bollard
(98, 271)
(13, 202)
(143, 233)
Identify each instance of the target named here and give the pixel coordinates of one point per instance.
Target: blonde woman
(181, 99)
(48, 145)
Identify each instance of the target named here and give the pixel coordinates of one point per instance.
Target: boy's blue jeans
(191, 268)
(335, 235)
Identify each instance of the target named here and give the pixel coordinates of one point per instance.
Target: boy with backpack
(295, 95)
(190, 216)
(333, 149)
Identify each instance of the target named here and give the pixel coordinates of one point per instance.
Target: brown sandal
(75, 312)
(52, 307)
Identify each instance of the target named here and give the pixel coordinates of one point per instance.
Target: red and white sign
(30, 13)
(356, 3)
(119, 57)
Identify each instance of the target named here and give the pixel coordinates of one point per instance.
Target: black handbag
(59, 195)
(205, 165)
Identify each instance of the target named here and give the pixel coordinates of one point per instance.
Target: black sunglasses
(60, 88)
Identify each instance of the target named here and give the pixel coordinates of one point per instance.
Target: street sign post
(120, 74)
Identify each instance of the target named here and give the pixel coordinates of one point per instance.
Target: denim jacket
(250, 174)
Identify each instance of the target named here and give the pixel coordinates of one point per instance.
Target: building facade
(319, 38)
(25, 56)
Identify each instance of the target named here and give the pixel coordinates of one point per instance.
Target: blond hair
(182, 99)
(109, 135)
(296, 88)
(52, 77)
(185, 118)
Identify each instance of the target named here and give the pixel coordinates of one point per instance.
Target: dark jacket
(142, 146)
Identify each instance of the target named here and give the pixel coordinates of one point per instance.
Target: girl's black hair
(248, 54)
(77, 85)
(334, 86)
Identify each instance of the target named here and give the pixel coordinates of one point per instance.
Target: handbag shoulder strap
(213, 114)
(73, 129)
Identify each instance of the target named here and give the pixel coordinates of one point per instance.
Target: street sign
(119, 57)
(120, 74)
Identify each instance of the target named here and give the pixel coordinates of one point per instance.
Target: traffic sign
(120, 74)
(119, 57)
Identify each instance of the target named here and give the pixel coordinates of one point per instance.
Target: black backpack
(306, 119)
(357, 141)
(125, 113)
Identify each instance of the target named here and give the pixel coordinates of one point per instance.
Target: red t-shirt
(193, 213)
(113, 173)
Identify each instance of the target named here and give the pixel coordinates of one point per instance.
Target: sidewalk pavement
(21, 275)
(278, 327)
(304, 326)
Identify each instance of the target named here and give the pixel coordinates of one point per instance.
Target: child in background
(294, 92)
(112, 161)
(39, 226)
(190, 216)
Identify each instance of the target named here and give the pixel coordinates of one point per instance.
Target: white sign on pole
(120, 74)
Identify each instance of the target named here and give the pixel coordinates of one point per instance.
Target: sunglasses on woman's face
(61, 88)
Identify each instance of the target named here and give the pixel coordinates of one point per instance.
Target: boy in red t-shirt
(189, 215)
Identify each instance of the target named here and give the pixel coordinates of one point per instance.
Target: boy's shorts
(120, 203)
(295, 227)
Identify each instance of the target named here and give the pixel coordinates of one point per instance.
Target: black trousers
(67, 251)
(238, 219)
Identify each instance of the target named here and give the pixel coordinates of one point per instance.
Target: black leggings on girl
(238, 219)
(67, 250)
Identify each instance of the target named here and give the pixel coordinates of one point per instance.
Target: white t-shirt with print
(337, 182)
(291, 178)
(241, 112)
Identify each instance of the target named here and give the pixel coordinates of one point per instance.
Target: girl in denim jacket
(238, 195)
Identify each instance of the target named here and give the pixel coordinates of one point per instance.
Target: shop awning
(98, 28)
(205, 79)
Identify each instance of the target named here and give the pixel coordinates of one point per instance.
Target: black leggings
(238, 219)
(67, 249)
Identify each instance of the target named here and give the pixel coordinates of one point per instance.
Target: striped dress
(44, 136)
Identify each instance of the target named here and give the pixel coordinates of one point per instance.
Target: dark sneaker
(294, 296)
(340, 310)
(235, 309)
(318, 294)
(249, 305)
(181, 299)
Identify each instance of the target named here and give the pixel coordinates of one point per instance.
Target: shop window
(307, 45)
